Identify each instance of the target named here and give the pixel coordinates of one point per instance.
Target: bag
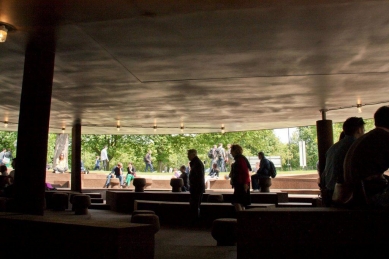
(211, 154)
(6, 160)
(218, 153)
(273, 170)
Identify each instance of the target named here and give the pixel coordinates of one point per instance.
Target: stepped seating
(74, 236)
(123, 201)
(312, 233)
(97, 201)
(178, 213)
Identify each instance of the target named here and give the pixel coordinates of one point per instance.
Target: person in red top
(240, 176)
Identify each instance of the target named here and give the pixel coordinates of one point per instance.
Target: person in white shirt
(104, 157)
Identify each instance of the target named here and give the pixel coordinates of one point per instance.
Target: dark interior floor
(170, 242)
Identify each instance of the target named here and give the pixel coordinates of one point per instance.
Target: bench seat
(312, 233)
(71, 236)
(178, 213)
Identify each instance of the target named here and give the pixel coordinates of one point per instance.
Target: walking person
(240, 178)
(104, 157)
(97, 163)
(263, 173)
(196, 183)
(148, 162)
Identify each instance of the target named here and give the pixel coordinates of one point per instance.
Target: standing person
(148, 162)
(229, 158)
(8, 157)
(104, 157)
(196, 182)
(212, 156)
(2, 153)
(367, 160)
(240, 174)
(221, 157)
(353, 128)
(263, 172)
(97, 163)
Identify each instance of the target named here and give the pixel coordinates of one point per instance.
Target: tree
(61, 146)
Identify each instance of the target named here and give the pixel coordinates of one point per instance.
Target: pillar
(76, 157)
(325, 140)
(34, 118)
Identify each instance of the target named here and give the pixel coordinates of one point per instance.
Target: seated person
(367, 160)
(83, 169)
(131, 174)
(213, 174)
(176, 173)
(117, 172)
(184, 177)
(60, 165)
(4, 179)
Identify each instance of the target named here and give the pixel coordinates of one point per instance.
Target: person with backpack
(148, 162)
(212, 156)
(221, 156)
(262, 175)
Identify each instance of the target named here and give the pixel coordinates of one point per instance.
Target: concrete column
(325, 140)
(33, 128)
(76, 157)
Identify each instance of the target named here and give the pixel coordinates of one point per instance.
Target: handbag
(6, 160)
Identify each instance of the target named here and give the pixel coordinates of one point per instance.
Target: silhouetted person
(196, 182)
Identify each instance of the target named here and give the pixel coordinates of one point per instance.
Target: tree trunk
(61, 146)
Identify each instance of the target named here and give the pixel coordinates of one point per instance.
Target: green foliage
(171, 150)
(8, 140)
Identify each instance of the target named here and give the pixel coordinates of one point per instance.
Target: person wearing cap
(353, 128)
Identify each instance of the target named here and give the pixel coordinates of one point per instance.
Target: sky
(282, 134)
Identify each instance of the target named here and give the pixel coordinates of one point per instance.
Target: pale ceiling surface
(246, 64)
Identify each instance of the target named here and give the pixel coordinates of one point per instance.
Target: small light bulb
(5, 124)
(359, 107)
(118, 127)
(155, 128)
(63, 130)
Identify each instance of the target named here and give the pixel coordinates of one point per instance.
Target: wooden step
(93, 194)
(99, 206)
(97, 200)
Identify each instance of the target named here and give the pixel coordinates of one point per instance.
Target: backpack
(272, 170)
(218, 153)
(211, 154)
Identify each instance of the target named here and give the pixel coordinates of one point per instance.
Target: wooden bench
(70, 236)
(312, 233)
(178, 213)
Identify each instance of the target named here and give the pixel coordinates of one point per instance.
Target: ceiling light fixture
(359, 107)
(3, 33)
(182, 127)
(222, 128)
(155, 128)
(118, 125)
(5, 28)
(5, 124)
(63, 130)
